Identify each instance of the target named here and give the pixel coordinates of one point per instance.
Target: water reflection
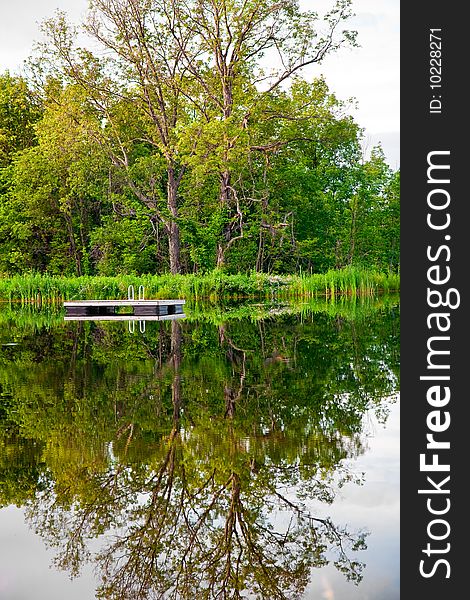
(193, 452)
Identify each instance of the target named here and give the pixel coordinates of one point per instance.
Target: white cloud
(370, 73)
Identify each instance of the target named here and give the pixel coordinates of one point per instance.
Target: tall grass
(347, 281)
(41, 289)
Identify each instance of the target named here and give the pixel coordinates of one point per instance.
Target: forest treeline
(176, 146)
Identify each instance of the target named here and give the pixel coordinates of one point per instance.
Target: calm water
(249, 452)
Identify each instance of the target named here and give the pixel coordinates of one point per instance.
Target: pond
(245, 451)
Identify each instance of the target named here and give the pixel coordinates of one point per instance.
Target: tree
(231, 43)
(139, 81)
(56, 190)
(20, 109)
(368, 221)
(179, 64)
(308, 141)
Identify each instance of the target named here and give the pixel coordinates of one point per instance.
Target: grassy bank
(213, 286)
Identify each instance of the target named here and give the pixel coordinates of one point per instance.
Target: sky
(370, 73)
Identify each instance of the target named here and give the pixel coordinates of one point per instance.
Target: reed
(44, 289)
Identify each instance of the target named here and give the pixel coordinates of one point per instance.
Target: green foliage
(19, 111)
(307, 201)
(55, 192)
(124, 245)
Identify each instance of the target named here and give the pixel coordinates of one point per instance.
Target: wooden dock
(153, 310)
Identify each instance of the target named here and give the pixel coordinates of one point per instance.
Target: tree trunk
(174, 244)
(220, 255)
(174, 247)
(260, 254)
(224, 198)
(353, 232)
(73, 246)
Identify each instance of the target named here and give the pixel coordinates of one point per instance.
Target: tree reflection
(198, 490)
(194, 528)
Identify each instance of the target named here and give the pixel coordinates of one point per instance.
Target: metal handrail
(140, 293)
